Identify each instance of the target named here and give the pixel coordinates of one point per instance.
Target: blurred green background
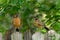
(47, 11)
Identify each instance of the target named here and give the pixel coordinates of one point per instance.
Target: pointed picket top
(51, 32)
(50, 35)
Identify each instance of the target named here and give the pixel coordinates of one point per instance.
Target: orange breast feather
(16, 22)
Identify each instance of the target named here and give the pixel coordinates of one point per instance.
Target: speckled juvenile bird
(39, 24)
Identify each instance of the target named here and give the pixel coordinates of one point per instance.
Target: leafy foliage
(25, 9)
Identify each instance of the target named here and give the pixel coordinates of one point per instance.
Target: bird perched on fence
(16, 21)
(39, 24)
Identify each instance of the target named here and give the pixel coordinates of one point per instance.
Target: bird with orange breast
(16, 22)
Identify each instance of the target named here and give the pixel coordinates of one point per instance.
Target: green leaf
(58, 4)
(13, 2)
(56, 26)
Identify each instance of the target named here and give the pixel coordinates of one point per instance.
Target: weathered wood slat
(57, 36)
(38, 36)
(16, 36)
(28, 35)
(1, 36)
(46, 36)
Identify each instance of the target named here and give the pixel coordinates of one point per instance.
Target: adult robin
(16, 22)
